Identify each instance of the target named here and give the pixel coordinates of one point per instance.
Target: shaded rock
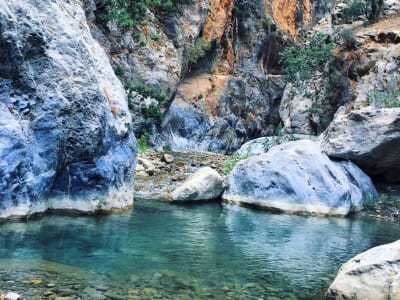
(369, 137)
(168, 158)
(65, 130)
(373, 274)
(204, 184)
(298, 177)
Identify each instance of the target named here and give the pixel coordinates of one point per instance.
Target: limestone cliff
(66, 139)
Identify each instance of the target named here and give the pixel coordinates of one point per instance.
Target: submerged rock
(369, 137)
(373, 274)
(298, 177)
(65, 130)
(204, 184)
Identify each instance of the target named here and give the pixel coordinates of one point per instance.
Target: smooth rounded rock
(297, 177)
(371, 275)
(204, 184)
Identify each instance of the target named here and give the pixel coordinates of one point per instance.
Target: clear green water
(164, 251)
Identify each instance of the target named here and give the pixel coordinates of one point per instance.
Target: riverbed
(163, 251)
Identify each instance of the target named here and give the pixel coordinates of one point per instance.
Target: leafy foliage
(353, 10)
(132, 13)
(146, 91)
(198, 50)
(142, 144)
(308, 60)
(368, 8)
(389, 98)
(229, 164)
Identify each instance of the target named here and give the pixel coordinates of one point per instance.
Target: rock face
(374, 274)
(298, 177)
(369, 137)
(233, 94)
(65, 129)
(204, 184)
(156, 58)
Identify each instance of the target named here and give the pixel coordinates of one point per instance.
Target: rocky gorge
(289, 106)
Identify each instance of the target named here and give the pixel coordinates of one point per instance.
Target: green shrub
(152, 115)
(167, 148)
(119, 71)
(146, 91)
(155, 36)
(386, 99)
(142, 144)
(369, 202)
(308, 60)
(353, 10)
(199, 50)
(348, 38)
(229, 164)
(132, 13)
(277, 140)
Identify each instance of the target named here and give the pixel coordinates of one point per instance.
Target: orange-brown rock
(219, 16)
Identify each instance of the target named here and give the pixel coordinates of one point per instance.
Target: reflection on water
(163, 251)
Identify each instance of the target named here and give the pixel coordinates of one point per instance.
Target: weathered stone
(373, 274)
(168, 158)
(263, 144)
(298, 177)
(204, 184)
(369, 137)
(12, 296)
(65, 130)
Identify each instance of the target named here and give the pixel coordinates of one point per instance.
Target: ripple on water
(163, 251)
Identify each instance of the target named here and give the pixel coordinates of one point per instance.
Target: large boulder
(374, 274)
(298, 177)
(370, 137)
(204, 184)
(65, 130)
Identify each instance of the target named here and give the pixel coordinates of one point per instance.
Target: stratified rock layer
(369, 137)
(298, 177)
(65, 129)
(374, 274)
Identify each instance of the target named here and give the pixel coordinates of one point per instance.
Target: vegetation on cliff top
(132, 13)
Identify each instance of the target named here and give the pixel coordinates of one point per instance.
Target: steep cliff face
(151, 56)
(65, 129)
(234, 95)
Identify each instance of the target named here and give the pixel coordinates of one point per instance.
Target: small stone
(48, 293)
(12, 296)
(167, 158)
(50, 285)
(36, 281)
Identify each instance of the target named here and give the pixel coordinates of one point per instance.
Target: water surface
(165, 251)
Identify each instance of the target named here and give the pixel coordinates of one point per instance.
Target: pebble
(36, 281)
(12, 296)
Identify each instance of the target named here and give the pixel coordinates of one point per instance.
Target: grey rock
(65, 130)
(373, 274)
(204, 184)
(168, 158)
(369, 137)
(263, 144)
(298, 177)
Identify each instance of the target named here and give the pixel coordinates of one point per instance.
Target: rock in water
(370, 137)
(65, 130)
(298, 177)
(204, 184)
(12, 296)
(373, 274)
